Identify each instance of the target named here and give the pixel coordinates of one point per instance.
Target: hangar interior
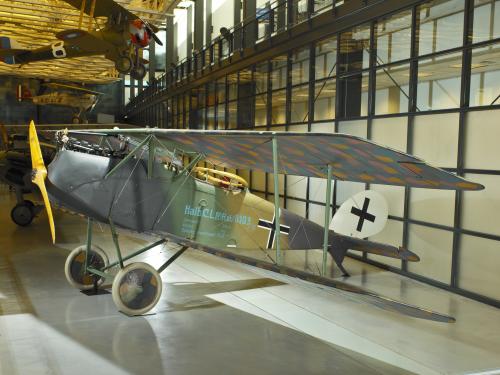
(416, 76)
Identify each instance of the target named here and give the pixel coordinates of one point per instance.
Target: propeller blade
(156, 39)
(39, 174)
(152, 30)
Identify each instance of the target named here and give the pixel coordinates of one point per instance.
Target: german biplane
(120, 40)
(78, 98)
(154, 184)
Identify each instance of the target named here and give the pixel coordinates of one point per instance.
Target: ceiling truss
(33, 24)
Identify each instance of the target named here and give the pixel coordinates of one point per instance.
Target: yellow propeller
(39, 175)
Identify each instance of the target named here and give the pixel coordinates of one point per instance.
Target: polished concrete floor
(217, 316)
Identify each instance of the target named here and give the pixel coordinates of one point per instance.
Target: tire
(74, 263)
(138, 72)
(123, 64)
(76, 120)
(136, 288)
(22, 214)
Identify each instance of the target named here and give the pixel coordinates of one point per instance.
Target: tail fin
(9, 49)
(23, 93)
(363, 215)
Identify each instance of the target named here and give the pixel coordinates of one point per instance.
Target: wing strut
(276, 200)
(82, 10)
(130, 155)
(326, 229)
(91, 15)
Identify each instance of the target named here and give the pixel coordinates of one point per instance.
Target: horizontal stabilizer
(9, 49)
(340, 244)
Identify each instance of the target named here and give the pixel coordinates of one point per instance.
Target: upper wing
(309, 154)
(84, 40)
(103, 8)
(55, 85)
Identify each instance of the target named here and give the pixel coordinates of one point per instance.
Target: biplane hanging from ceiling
(153, 183)
(80, 99)
(120, 40)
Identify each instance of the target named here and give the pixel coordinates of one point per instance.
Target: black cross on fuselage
(271, 226)
(363, 214)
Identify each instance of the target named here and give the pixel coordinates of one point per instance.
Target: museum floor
(219, 317)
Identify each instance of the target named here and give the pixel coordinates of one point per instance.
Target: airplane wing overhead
(308, 154)
(54, 85)
(103, 8)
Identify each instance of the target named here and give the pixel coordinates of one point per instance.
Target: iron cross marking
(271, 226)
(363, 214)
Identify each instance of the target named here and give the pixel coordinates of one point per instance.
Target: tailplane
(9, 49)
(363, 215)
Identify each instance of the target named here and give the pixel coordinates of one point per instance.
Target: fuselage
(174, 203)
(67, 99)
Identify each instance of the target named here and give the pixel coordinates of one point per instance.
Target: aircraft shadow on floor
(189, 296)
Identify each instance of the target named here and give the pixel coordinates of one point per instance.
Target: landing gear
(137, 288)
(138, 72)
(74, 269)
(76, 120)
(23, 213)
(123, 64)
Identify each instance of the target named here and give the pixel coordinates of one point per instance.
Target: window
(393, 37)
(439, 82)
(441, 25)
(279, 72)
(355, 49)
(326, 58)
(300, 103)
(324, 100)
(300, 66)
(486, 20)
(485, 76)
(392, 89)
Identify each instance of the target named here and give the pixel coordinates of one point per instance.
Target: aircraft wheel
(23, 213)
(138, 72)
(136, 288)
(75, 120)
(123, 64)
(73, 268)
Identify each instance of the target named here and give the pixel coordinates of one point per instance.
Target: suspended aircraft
(120, 40)
(80, 99)
(154, 183)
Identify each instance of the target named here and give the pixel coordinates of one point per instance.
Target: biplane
(120, 40)
(154, 183)
(78, 98)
